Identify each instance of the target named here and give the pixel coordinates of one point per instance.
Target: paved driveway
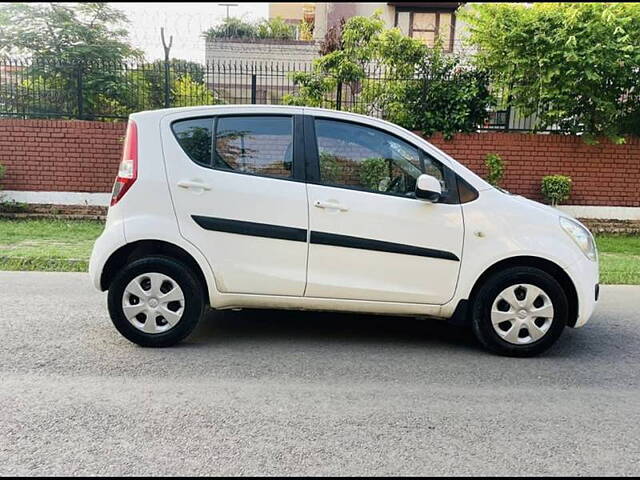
(299, 393)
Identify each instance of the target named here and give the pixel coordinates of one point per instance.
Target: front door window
(363, 158)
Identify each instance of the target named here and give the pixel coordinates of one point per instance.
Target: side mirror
(428, 188)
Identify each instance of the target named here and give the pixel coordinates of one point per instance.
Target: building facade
(422, 20)
(293, 12)
(428, 22)
(248, 64)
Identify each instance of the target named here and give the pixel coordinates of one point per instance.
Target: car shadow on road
(329, 327)
(349, 330)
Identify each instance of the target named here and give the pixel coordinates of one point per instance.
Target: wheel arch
(144, 248)
(543, 264)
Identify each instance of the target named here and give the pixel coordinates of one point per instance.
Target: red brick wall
(603, 174)
(60, 155)
(81, 156)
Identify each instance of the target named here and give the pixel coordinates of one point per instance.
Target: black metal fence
(111, 91)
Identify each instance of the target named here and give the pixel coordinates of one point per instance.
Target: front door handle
(193, 185)
(330, 205)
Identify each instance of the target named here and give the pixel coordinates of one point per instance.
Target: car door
(370, 238)
(238, 194)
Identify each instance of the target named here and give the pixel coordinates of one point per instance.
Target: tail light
(128, 170)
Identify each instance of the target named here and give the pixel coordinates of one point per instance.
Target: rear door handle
(330, 205)
(193, 185)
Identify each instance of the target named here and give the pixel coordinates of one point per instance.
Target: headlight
(581, 236)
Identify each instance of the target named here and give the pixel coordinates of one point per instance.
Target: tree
(67, 44)
(332, 40)
(178, 68)
(575, 65)
(434, 94)
(419, 88)
(187, 92)
(350, 51)
(67, 33)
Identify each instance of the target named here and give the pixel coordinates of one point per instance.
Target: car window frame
(312, 161)
(298, 173)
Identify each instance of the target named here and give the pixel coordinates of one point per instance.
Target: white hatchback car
(312, 209)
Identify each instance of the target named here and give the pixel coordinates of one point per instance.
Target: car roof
(239, 108)
(253, 108)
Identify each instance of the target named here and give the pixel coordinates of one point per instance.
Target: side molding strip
(319, 238)
(251, 228)
(322, 238)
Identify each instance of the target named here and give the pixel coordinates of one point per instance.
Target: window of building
(428, 26)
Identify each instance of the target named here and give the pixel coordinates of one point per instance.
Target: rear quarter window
(195, 137)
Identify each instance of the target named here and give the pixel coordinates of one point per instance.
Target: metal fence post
(509, 108)
(253, 89)
(507, 118)
(80, 93)
(167, 99)
(167, 49)
(339, 96)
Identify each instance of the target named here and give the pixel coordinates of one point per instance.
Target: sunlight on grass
(47, 244)
(619, 259)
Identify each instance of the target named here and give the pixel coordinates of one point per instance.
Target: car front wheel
(155, 301)
(519, 312)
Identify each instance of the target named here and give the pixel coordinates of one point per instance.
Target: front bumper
(585, 276)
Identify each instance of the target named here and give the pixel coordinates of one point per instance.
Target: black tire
(193, 301)
(489, 291)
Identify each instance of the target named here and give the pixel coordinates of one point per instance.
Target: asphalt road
(262, 392)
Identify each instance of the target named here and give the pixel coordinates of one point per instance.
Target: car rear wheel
(155, 301)
(520, 312)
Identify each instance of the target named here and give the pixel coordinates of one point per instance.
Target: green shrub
(232, 27)
(276, 28)
(11, 206)
(495, 168)
(306, 31)
(556, 188)
(187, 93)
